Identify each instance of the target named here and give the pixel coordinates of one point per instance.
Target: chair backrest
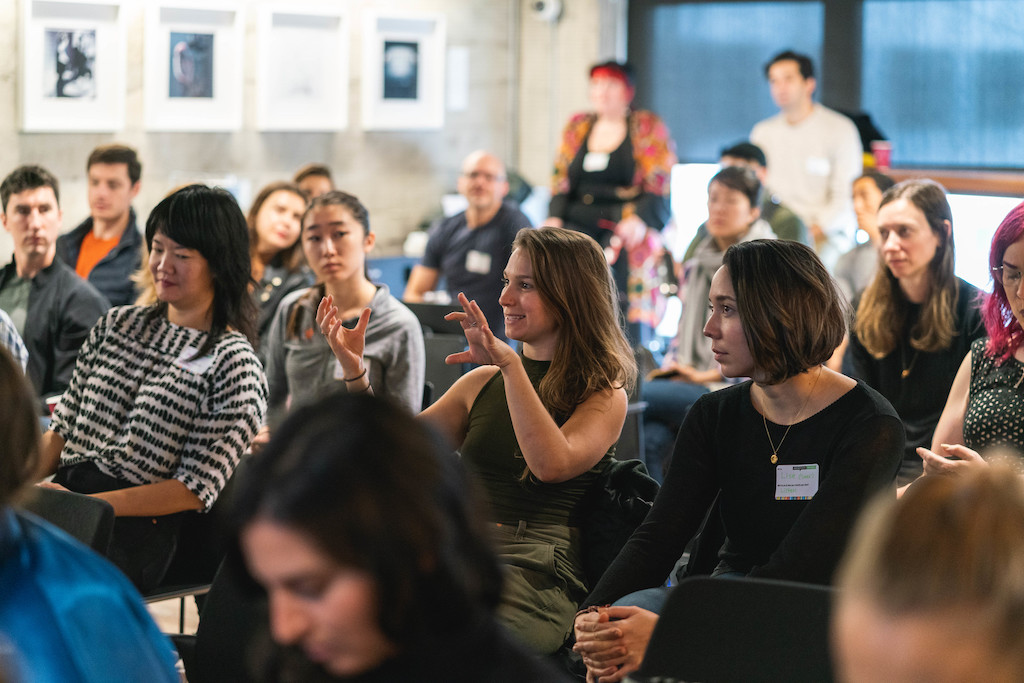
(233, 624)
(723, 630)
(88, 519)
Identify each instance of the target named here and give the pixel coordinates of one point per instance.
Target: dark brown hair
(792, 314)
(19, 429)
(117, 154)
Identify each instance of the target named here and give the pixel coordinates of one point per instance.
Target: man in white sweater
(815, 154)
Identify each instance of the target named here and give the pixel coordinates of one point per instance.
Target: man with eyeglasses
(470, 249)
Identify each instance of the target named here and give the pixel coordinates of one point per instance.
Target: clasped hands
(612, 641)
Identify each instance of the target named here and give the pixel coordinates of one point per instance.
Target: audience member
(784, 223)
(985, 410)
(11, 340)
(314, 180)
(611, 180)
(52, 308)
(916, 320)
(930, 588)
(856, 268)
(278, 268)
(377, 568)
(689, 366)
(66, 612)
(336, 238)
(469, 249)
(106, 248)
(535, 429)
(814, 153)
(789, 486)
(166, 398)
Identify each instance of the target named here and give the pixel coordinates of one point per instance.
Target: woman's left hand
(610, 660)
(965, 459)
(484, 347)
(346, 344)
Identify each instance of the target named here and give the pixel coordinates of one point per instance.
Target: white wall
(518, 67)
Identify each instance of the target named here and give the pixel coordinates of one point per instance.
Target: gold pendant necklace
(903, 361)
(775, 449)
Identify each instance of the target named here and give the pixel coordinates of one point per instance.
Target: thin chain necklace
(903, 361)
(775, 449)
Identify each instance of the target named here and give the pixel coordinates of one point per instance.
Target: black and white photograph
(70, 63)
(191, 65)
(401, 70)
(403, 84)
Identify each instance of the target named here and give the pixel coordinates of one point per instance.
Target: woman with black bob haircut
(791, 454)
(367, 535)
(166, 398)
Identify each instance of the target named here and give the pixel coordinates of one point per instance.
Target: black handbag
(613, 508)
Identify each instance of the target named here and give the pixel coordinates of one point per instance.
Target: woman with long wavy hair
(916, 320)
(536, 428)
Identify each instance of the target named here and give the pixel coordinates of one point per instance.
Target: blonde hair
(950, 545)
(883, 308)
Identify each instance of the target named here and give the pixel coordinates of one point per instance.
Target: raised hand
(484, 347)
(346, 344)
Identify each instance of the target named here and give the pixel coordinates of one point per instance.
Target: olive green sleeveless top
(491, 452)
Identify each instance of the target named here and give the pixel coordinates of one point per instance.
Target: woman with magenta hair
(984, 413)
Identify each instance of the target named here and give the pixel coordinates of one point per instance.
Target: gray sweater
(303, 368)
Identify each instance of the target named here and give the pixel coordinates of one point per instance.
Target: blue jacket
(112, 275)
(69, 614)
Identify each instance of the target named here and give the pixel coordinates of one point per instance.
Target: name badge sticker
(338, 372)
(819, 166)
(796, 482)
(197, 365)
(478, 262)
(595, 161)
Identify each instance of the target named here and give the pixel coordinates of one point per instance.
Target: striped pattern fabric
(144, 410)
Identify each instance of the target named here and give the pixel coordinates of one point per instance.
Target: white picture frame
(403, 75)
(193, 66)
(302, 68)
(72, 71)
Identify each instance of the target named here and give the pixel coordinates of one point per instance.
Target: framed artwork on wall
(193, 67)
(403, 71)
(302, 68)
(72, 75)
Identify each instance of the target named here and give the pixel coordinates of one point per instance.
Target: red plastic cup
(882, 151)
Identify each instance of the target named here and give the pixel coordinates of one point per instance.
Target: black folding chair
(741, 630)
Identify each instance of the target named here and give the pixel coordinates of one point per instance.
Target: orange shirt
(92, 252)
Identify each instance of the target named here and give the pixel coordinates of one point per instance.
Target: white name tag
(338, 372)
(595, 161)
(796, 482)
(819, 166)
(478, 262)
(198, 365)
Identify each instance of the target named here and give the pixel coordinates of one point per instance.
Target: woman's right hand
(346, 344)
